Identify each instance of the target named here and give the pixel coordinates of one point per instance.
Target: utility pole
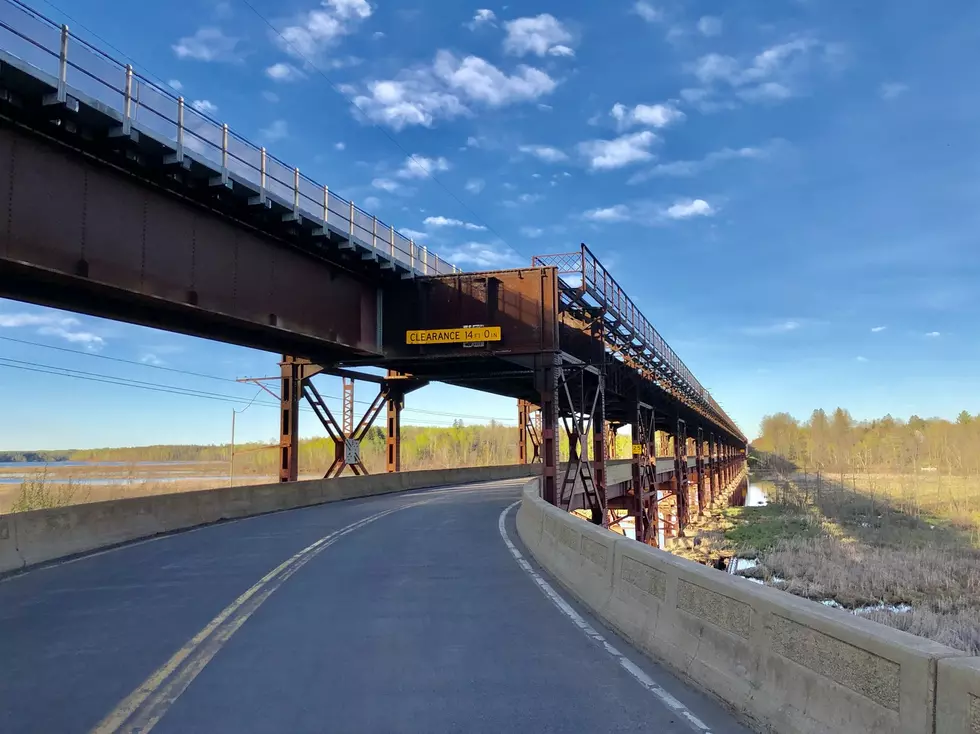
(231, 462)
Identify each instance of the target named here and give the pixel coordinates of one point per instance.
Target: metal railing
(582, 271)
(82, 72)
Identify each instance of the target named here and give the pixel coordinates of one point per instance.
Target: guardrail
(82, 72)
(787, 665)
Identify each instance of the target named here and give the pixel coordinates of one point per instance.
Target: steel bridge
(121, 201)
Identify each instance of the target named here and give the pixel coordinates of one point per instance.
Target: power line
(116, 359)
(172, 389)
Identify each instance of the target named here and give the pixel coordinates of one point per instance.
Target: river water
(115, 472)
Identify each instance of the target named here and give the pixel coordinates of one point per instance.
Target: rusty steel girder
(83, 236)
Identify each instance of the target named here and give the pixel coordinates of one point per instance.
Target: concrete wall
(28, 538)
(783, 663)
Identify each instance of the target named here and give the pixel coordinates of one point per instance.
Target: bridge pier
(528, 429)
(296, 383)
(681, 486)
(699, 465)
(644, 484)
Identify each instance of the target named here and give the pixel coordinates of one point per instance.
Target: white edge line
(589, 631)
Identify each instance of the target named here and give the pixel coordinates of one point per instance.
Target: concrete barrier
(958, 696)
(28, 538)
(783, 663)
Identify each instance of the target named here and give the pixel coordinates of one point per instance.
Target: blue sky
(788, 190)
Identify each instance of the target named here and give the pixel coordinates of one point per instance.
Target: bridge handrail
(631, 324)
(119, 91)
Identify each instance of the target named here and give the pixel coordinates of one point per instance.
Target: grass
(36, 493)
(756, 528)
(874, 539)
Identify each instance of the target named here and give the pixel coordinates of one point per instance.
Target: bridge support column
(600, 437)
(293, 372)
(580, 399)
(699, 466)
(547, 387)
(644, 488)
(527, 430)
(681, 485)
(523, 417)
(393, 434)
(712, 479)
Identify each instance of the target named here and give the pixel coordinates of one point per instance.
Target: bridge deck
(420, 621)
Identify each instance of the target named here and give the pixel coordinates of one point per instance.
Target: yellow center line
(144, 707)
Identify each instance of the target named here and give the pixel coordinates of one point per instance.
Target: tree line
(837, 443)
(422, 447)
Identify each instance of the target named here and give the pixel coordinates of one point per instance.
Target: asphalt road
(418, 620)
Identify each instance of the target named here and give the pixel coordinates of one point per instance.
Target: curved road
(401, 613)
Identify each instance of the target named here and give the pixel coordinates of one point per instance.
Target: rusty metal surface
(523, 303)
(77, 221)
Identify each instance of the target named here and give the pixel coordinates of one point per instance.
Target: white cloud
(531, 232)
(53, 324)
(544, 152)
(617, 213)
(709, 25)
(655, 115)
(205, 107)
(933, 334)
(891, 90)
(17, 320)
(862, 359)
(648, 12)
(411, 101)
(780, 327)
(482, 255)
(371, 202)
(419, 166)
(422, 95)
(687, 208)
(481, 81)
(315, 30)
(277, 130)
(151, 359)
(767, 91)
(769, 76)
(283, 72)
(447, 222)
(413, 234)
(175, 84)
(877, 329)
(270, 97)
(482, 16)
(539, 35)
(529, 198)
(475, 185)
(90, 340)
(339, 145)
(209, 44)
(684, 169)
(386, 184)
(622, 151)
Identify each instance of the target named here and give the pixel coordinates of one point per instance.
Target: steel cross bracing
(587, 288)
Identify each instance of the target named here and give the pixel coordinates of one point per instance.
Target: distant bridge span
(118, 200)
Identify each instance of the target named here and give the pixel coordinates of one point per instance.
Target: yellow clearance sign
(453, 336)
